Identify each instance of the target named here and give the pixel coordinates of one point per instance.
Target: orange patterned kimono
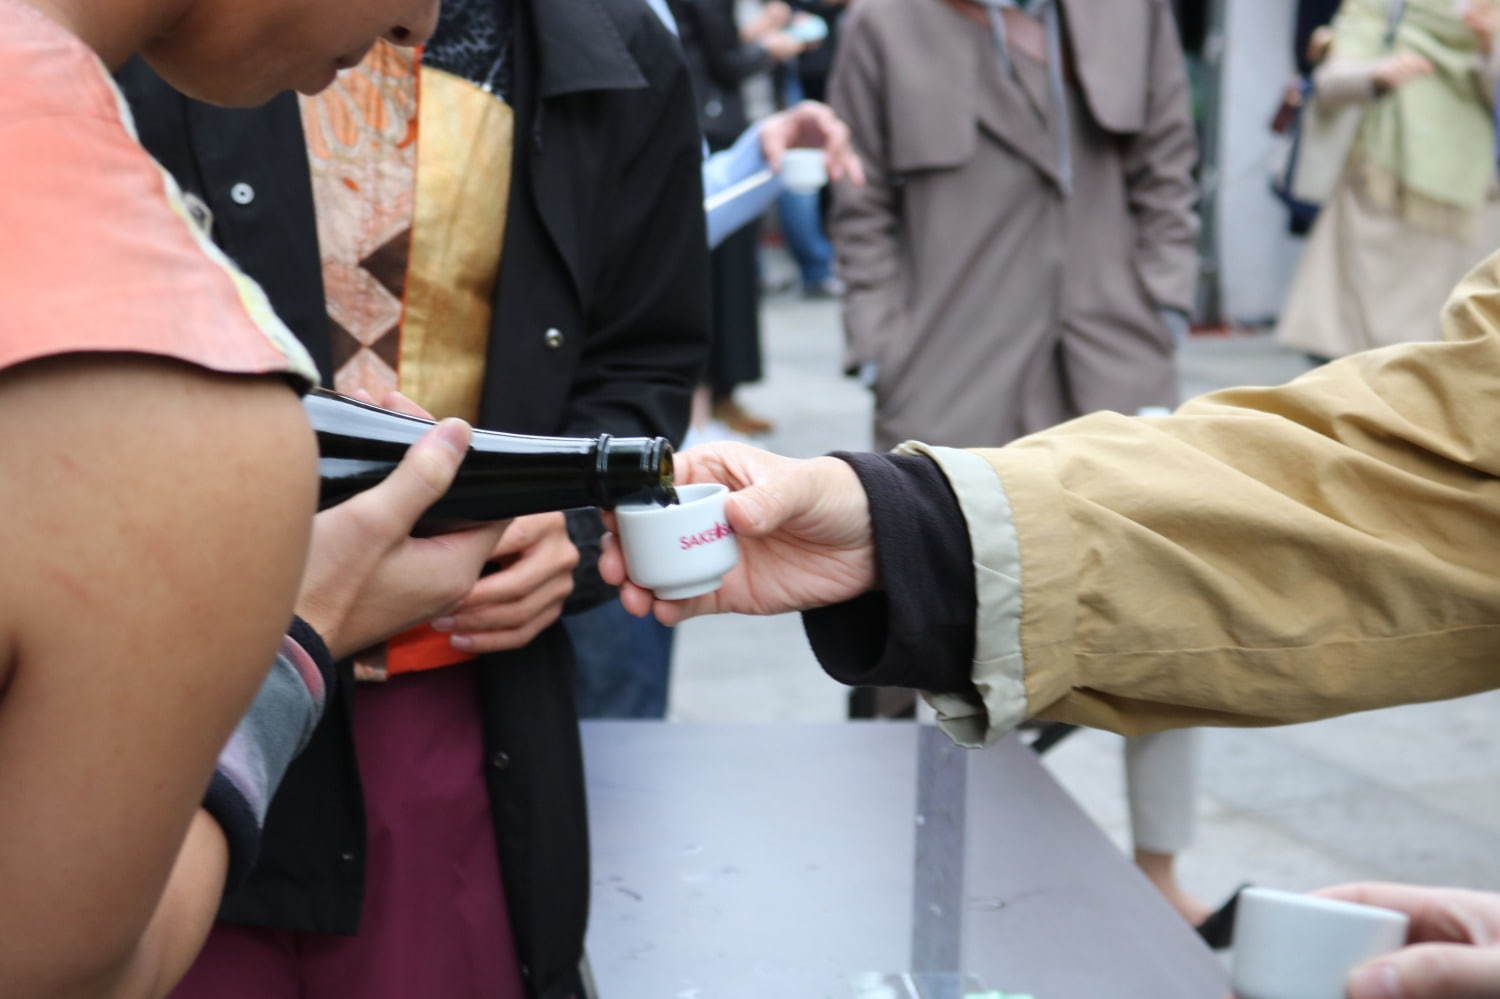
(407, 271)
(100, 252)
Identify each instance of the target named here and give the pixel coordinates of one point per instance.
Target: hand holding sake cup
(800, 529)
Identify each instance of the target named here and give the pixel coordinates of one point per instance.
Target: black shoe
(1217, 928)
(1045, 734)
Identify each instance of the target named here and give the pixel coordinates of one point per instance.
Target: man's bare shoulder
(122, 472)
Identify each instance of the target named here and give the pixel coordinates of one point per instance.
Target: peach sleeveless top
(98, 251)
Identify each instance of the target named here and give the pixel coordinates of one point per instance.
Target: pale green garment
(1428, 147)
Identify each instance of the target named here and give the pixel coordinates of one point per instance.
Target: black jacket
(605, 245)
(719, 63)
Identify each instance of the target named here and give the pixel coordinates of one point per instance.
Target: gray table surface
(785, 860)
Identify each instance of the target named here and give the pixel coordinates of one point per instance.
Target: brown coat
(993, 304)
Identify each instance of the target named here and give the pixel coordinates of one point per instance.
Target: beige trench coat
(1368, 278)
(993, 304)
(1263, 556)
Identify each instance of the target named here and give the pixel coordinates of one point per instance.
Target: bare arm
(156, 523)
(1348, 81)
(1345, 81)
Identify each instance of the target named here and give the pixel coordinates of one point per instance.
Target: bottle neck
(633, 469)
(361, 442)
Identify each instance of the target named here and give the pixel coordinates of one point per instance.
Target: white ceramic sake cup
(803, 171)
(679, 551)
(1291, 946)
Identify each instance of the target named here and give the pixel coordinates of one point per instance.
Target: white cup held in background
(803, 171)
(809, 29)
(679, 551)
(1291, 946)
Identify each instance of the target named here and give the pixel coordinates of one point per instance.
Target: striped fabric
(277, 727)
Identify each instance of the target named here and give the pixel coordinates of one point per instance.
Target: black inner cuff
(918, 631)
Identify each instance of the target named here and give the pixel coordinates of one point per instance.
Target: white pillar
(1257, 255)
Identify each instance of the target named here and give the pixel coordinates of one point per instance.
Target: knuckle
(503, 618)
(504, 596)
(1432, 973)
(430, 470)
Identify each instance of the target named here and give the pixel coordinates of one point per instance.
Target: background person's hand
(781, 46)
(1399, 69)
(812, 125)
(1454, 944)
(366, 577)
(803, 528)
(778, 12)
(1318, 44)
(509, 608)
(772, 16)
(1483, 18)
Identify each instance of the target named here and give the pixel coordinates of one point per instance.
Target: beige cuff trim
(999, 671)
(1049, 595)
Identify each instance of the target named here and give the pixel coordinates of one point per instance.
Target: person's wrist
(851, 508)
(917, 630)
(329, 622)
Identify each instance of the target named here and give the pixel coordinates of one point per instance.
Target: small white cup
(803, 171)
(679, 551)
(1291, 946)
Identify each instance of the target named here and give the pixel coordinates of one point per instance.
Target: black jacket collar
(580, 47)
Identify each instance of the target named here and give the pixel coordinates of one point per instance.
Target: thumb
(760, 509)
(425, 472)
(1430, 971)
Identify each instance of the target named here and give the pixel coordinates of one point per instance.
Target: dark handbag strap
(1395, 10)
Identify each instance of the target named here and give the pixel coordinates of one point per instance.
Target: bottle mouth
(666, 468)
(644, 463)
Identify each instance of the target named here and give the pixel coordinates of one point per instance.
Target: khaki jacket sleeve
(1263, 556)
(865, 222)
(1159, 161)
